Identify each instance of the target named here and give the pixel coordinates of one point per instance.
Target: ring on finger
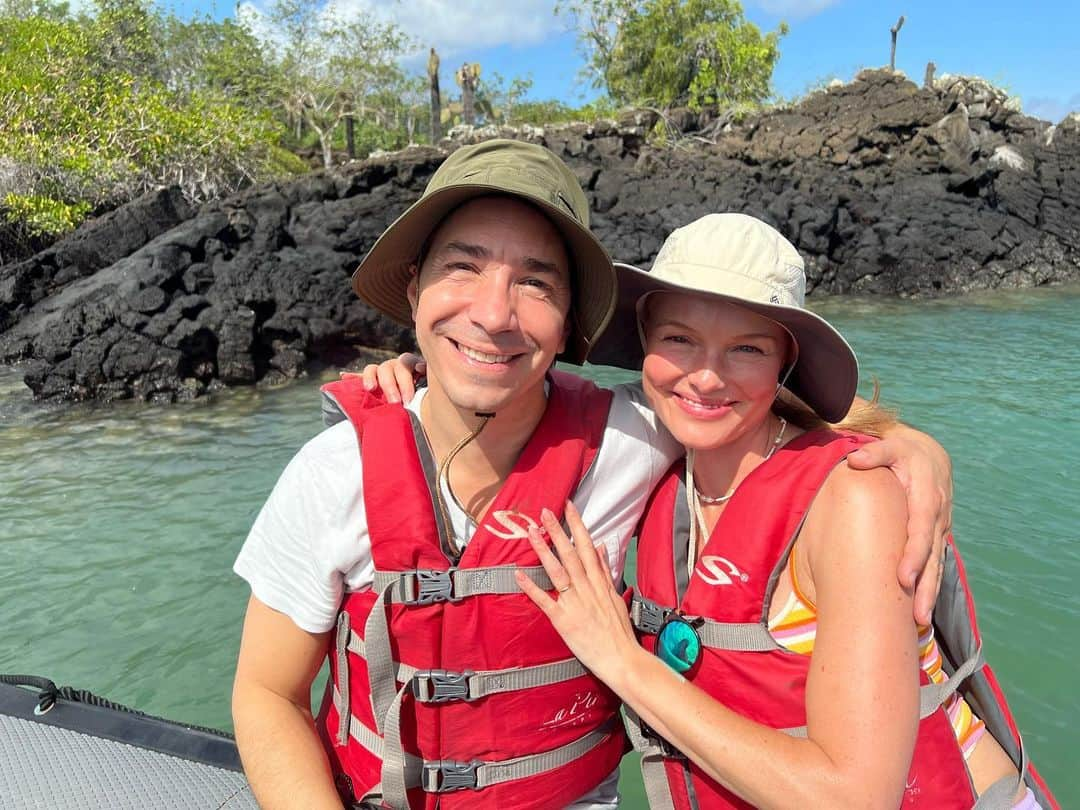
(565, 588)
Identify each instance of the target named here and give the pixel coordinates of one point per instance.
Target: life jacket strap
(429, 586)
(648, 617)
(933, 695)
(1001, 794)
(406, 771)
(654, 749)
(424, 587)
(440, 685)
(341, 646)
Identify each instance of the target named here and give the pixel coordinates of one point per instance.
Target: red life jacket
(742, 665)
(449, 687)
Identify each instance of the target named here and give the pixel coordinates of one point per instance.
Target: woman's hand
(395, 378)
(586, 610)
(925, 471)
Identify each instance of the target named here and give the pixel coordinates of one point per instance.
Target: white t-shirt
(309, 544)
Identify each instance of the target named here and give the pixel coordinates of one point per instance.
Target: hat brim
(825, 376)
(383, 275)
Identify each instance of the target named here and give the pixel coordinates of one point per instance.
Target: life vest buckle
(650, 617)
(440, 686)
(432, 586)
(666, 748)
(444, 775)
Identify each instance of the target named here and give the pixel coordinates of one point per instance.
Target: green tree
(81, 133)
(334, 69)
(669, 52)
(498, 99)
(225, 58)
(46, 9)
(126, 36)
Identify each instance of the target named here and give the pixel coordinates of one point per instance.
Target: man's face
(490, 304)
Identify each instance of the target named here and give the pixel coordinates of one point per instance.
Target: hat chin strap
(783, 380)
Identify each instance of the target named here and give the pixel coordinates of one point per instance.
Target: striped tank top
(795, 628)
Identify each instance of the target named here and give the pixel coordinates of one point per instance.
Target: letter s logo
(516, 523)
(719, 571)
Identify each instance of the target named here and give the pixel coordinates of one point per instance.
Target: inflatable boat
(66, 749)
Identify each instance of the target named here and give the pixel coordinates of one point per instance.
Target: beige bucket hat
(500, 166)
(741, 260)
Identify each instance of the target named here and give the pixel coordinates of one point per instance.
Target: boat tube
(67, 749)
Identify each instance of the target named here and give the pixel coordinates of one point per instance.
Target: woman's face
(711, 368)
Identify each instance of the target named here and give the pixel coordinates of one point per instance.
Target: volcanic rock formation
(886, 188)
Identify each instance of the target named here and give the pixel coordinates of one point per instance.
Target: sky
(1031, 49)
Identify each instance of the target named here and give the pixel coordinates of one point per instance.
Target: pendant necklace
(695, 498)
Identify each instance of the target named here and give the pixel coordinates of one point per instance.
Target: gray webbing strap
(1001, 795)
(732, 636)
(495, 773)
(933, 695)
(343, 707)
(403, 672)
(404, 770)
(424, 587)
(380, 664)
(653, 773)
(438, 685)
(395, 762)
(648, 617)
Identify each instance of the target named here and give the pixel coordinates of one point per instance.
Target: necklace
(695, 498)
(727, 496)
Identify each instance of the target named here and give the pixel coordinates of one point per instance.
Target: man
(402, 528)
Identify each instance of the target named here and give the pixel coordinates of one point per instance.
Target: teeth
(482, 357)
(712, 406)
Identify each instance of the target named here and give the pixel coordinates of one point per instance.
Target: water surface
(119, 525)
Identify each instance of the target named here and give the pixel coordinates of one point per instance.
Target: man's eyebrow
(469, 249)
(542, 265)
(534, 264)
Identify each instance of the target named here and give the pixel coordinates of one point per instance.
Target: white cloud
(1052, 109)
(793, 8)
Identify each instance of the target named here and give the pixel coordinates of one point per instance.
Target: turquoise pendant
(678, 644)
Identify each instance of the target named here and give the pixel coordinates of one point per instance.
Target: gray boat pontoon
(63, 749)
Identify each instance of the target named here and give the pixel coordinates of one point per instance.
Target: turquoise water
(118, 526)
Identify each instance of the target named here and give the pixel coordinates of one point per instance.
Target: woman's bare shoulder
(854, 507)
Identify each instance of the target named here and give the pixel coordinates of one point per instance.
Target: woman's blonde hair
(867, 417)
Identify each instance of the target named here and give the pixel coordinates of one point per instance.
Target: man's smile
(483, 357)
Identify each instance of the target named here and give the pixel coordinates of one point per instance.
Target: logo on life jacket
(719, 571)
(516, 523)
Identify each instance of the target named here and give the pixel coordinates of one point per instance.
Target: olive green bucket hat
(518, 169)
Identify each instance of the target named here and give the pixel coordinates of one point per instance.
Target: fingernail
(547, 514)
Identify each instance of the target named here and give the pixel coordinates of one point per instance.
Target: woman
(779, 665)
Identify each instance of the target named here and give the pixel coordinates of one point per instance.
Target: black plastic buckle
(444, 775)
(666, 748)
(651, 617)
(440, 686)
(432, 587)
